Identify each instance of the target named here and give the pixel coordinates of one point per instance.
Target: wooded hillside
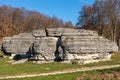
(19, 20)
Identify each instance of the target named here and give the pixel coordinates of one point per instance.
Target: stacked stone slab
(76, 44)
(83, 41)
(18, 44)
(45, 48)
(84, 45)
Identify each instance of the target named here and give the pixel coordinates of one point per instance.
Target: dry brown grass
(102, 76)
(116, 55)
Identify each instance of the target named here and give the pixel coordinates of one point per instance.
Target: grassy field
(107, 74)
(31, 68)
(6, 68)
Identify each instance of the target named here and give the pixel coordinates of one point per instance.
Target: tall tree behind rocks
(19, 20)
(104, 17)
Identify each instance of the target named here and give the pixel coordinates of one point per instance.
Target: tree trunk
(114, 34)
(119, 45)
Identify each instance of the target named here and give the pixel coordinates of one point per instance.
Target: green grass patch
(106, 74)
(6, 68)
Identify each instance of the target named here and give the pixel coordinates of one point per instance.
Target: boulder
(18, 44)
(88, 44)
(45, 48)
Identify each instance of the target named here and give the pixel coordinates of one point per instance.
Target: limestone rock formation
(61, 44)
(39, 33)
(70, 32)
(18, 44)
(45, 47)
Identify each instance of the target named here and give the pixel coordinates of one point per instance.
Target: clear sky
(67, 10)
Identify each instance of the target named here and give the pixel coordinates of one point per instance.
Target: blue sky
(67, 10)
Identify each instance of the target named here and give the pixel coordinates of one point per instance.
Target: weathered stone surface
(18, 44)
(78, 45)
(24, 35)
(61, 44)
(70, 32)
(45, 47)
(39, 33)
(6, 39)
(87, 58)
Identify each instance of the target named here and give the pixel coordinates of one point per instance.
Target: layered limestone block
(88, 58)
(39, 33)
(84, 45)
(70, 32)
(18, 44)
(87, 44)
(45, 48)
(61, 44)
